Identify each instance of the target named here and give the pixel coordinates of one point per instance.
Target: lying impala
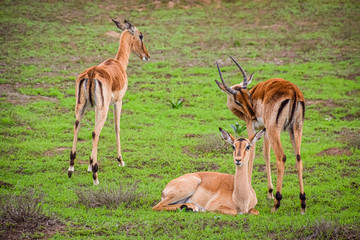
(212, 191)
(277, 105)
(103, 85)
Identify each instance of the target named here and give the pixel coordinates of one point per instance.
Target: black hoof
(70, 174)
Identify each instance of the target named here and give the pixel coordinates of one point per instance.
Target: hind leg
(296, 136)
(100, 118)
(79, 113)
(177, 192)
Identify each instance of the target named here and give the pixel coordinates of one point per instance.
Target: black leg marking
(93, 135)
(119, 159)
(284, 158)
(303, 198)
(72, 158)
(187, 209)
(77, 123)
(91, 160)
(298, 158)
(95, 168)
(278, 197)
(271, 190)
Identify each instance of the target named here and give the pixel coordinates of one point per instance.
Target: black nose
(238, 161)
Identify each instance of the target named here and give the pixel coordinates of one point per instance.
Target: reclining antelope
(277, 105)
(103, 85)
(212, 191)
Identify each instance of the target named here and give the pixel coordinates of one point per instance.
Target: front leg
(251, 133)
(117, 113)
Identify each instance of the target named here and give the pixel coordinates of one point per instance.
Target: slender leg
(117, 112)
(266, 152)
(100, 118)
(79, 113)
(274, 137)
(295, 136)
(251, 133)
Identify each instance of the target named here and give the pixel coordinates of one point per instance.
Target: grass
(45, 45)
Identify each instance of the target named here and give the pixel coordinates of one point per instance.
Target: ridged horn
(230, 90)
(245, 81)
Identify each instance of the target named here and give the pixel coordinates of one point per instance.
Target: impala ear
(227, 136)
(257, 136)
(129, 26)
(119, 25)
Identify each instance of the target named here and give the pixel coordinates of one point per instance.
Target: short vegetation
(171, 115)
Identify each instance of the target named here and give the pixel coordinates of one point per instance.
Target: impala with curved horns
(212, 191)
(105, 85)
(277, 105)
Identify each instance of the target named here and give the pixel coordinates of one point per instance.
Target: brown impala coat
(103, 85)
(278, 105)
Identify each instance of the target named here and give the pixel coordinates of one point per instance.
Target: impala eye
(141, 36)
(247, 147)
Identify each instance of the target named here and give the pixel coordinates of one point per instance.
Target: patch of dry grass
(111, 198)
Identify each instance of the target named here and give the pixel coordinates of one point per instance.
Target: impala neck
(124, 51)
(241, 192)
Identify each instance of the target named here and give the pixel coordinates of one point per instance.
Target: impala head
(241, 146)
(137, 39)
(239, 93)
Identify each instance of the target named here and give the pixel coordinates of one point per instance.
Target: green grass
(45, 45)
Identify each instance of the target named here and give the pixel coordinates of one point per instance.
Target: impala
(277, 105)
(105, 85)
(212, 191)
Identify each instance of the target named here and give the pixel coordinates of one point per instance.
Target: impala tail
(90, 88)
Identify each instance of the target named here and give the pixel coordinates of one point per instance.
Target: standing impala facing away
(277, 105)
(212, 191)
(103, 85)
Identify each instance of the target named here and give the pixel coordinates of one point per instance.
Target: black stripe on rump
(282, 105)
(80, 83)
(303, 109)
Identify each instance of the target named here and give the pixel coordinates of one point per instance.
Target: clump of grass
(238, 129)
(178, 104)
(22, 214)
(111, 198)
(24, 208)
(212, 144)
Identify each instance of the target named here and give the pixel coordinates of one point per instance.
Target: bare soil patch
(56, 151)
(335, 152)
(9, 92)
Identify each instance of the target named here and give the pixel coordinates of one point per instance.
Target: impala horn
(246, 81)
(229, 90)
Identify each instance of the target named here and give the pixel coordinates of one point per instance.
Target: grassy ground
(45, 44)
